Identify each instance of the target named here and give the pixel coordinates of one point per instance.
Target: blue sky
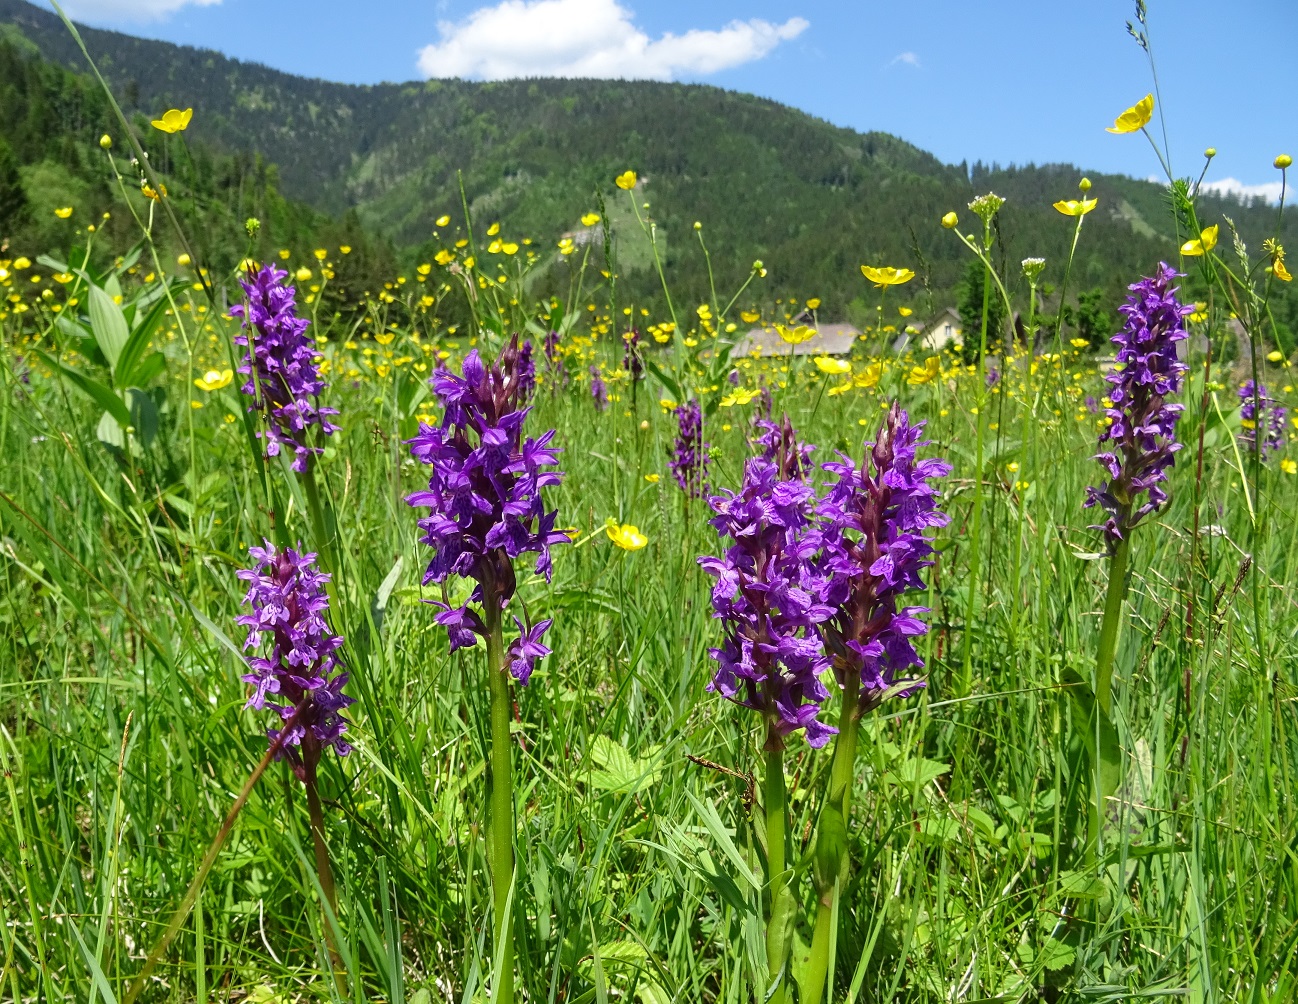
(986, 80)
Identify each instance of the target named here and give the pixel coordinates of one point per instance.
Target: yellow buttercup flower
(1079, 343)
(1289, 466)
(443, 220)
(740, 395)
(653, 479)
(869, 376)
(63, 213)
(924, 374)
(344, 249)
(1279, 271)
(625, 181)
(1076, 207)
(173, 120)
(1134, 118)
(796, 335)
(590, 219)
(626, 535)
(905, 311)
(444, 257)
(1206, 242)
(813, 303)
(831, 366)
(749, 316)
(302, 274)
(320, 254)
(950, 220)
(887, 275)
(214, 380)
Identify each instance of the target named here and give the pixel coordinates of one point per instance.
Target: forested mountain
(810, 199)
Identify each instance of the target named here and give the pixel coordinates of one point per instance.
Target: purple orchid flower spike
(874, 520)
(689, 462)
(1260, 412)
(484, 495)
(283, 380)
(1141, 436)
(288, 600)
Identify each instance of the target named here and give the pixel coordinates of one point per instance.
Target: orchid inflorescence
(283, 380)
(808, 584)
(484, 497)
(1258, 410)
(287, 595)
(1141, 437)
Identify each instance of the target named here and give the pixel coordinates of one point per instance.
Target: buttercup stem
(831, 839)
(502, 799)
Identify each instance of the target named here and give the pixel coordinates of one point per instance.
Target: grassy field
(641, 801)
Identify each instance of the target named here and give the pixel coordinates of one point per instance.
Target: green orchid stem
(502, 800)
(1110, 629)
(831, 841)
(310, 759)
(776, 799)
(196, 884)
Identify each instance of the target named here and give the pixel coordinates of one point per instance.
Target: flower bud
(105, 142)
(1283, 161)
(698, 225)
(183, 261)
(1084, 184)
(950, 220)
(1210, 152)
(252, 225)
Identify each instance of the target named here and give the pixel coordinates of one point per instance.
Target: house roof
(829, 340)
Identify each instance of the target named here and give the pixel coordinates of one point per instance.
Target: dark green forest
(376, 165)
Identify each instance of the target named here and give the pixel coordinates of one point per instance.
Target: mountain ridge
(812, 199)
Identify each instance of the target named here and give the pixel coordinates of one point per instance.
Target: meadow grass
(637, 793)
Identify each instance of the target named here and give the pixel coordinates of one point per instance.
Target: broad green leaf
(93, 389)
(917, 771)
(1083, 698)
(618, 770)
(110, 432)
(128, 361)
(108, 324)
(721, 834)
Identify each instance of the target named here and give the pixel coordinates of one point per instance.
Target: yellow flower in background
(1279, 271)
(214, 380)
(444, 257)
(1289, 466)
(148, 192)
(1076, 207)
(509, 247)
(443, 220)
(832, 367)
(320, 254)
(173, 120)
(950, 220)
(63, 213)
(653, 479)
(625, 181)
(887, 275)
(667, 403)
(796, 335)
(302, 274)
(869, 376)
(813, 303)
(248, 265)
(925, 374)
(626, 536)
(385, 337)
(1134, 118)
(1206, 242)
(590, 219)
(566, 246)
(344, 249)
(749, 316)
(905, 311)
(493, 230)
(184, 261)
(1079, 343)
(740, 395)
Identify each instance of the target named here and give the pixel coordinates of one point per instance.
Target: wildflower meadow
(487, 636)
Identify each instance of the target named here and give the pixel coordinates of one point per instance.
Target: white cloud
(906, 58)
(1269, 190)
(113, 11)
(589, 38)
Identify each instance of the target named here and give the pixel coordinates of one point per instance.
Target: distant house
(941, 330)
(829, 340)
